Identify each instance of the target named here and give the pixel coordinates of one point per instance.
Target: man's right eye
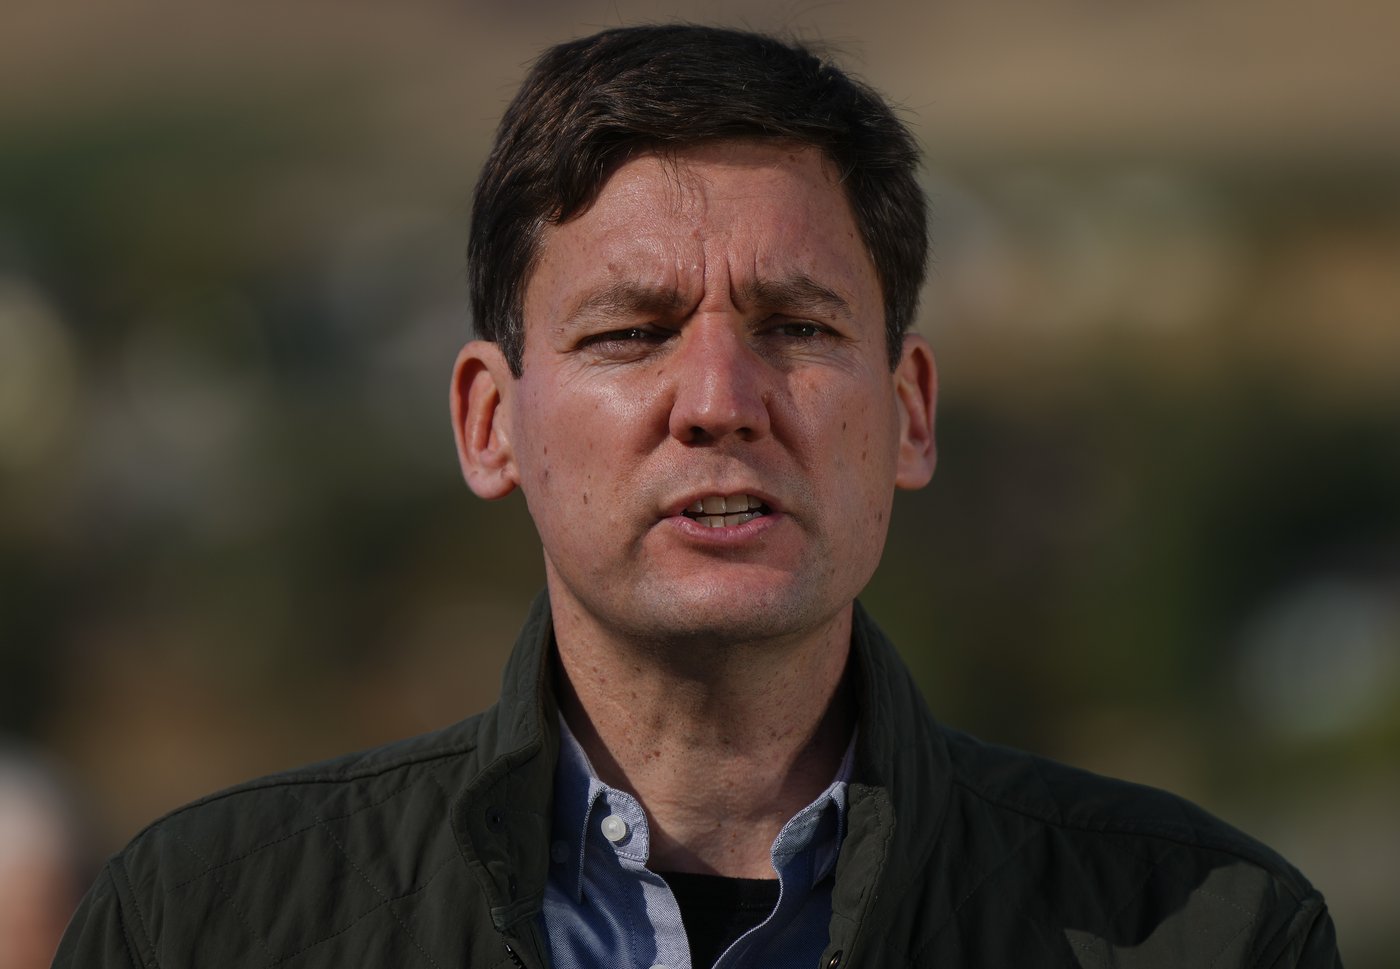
(627, 335)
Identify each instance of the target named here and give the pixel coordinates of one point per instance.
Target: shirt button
(614, 828)
(559, 851)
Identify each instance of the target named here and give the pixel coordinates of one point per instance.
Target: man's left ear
(480, 383)
(916, 393)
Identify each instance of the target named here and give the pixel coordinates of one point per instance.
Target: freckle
(863, 454)
(546, 450)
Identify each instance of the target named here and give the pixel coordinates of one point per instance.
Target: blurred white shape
(39, 848)
(1325, 659)
(38, 376)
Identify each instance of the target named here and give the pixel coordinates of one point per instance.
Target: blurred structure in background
(1163, 541)
(45, 862)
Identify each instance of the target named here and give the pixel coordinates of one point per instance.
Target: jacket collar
(502, 817)
(898, 793)
(898, 797)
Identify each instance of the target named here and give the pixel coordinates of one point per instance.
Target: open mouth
(725, 511)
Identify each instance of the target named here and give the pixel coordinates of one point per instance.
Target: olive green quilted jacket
(432, 853)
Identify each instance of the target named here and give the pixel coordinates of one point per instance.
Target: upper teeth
(723, 504)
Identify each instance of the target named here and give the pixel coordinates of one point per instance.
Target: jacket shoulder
(1075, 800)
(229, 823)
(1115, 873)
(306, 863)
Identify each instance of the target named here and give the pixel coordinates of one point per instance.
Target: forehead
(724, 216)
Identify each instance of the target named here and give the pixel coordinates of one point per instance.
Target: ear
(480, 402)
(916, 394)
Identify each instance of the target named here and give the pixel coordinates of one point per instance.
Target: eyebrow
(625, 298)
(796, 292)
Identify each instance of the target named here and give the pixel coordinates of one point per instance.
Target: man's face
(706, 430)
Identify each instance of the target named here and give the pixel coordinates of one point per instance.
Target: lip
(728, 535)
(675, 518)
(677, 507)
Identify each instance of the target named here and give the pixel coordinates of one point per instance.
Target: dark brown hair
(589, 104)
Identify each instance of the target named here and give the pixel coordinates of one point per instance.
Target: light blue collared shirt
(604, 907)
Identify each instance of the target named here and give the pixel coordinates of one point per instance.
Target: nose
(720, 385)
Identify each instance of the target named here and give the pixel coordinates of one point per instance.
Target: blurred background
(1163, 542)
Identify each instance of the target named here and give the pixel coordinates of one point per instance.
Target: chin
(728, 617)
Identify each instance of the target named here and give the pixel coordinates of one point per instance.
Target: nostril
(699, 434)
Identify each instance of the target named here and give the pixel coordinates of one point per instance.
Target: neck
(721, 742)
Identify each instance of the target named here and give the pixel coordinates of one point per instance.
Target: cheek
(850, 426)
(852, 437)
(567, 447)
(537, 446)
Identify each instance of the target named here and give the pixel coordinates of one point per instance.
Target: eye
(629, 334)
(800, 329)
(794, 338)
(626, 341)
(620, 335)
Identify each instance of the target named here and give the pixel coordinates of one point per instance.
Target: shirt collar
(578, 791)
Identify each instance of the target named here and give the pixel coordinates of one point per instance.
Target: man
(695, 257)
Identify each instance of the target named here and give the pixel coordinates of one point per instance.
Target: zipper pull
(527, 950)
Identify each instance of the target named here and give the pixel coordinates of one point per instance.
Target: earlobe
(916, 393)
(479, 406)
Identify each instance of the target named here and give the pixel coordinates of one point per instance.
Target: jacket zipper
(521, 959)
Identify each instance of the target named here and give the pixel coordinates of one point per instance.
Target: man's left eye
(800, 329)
